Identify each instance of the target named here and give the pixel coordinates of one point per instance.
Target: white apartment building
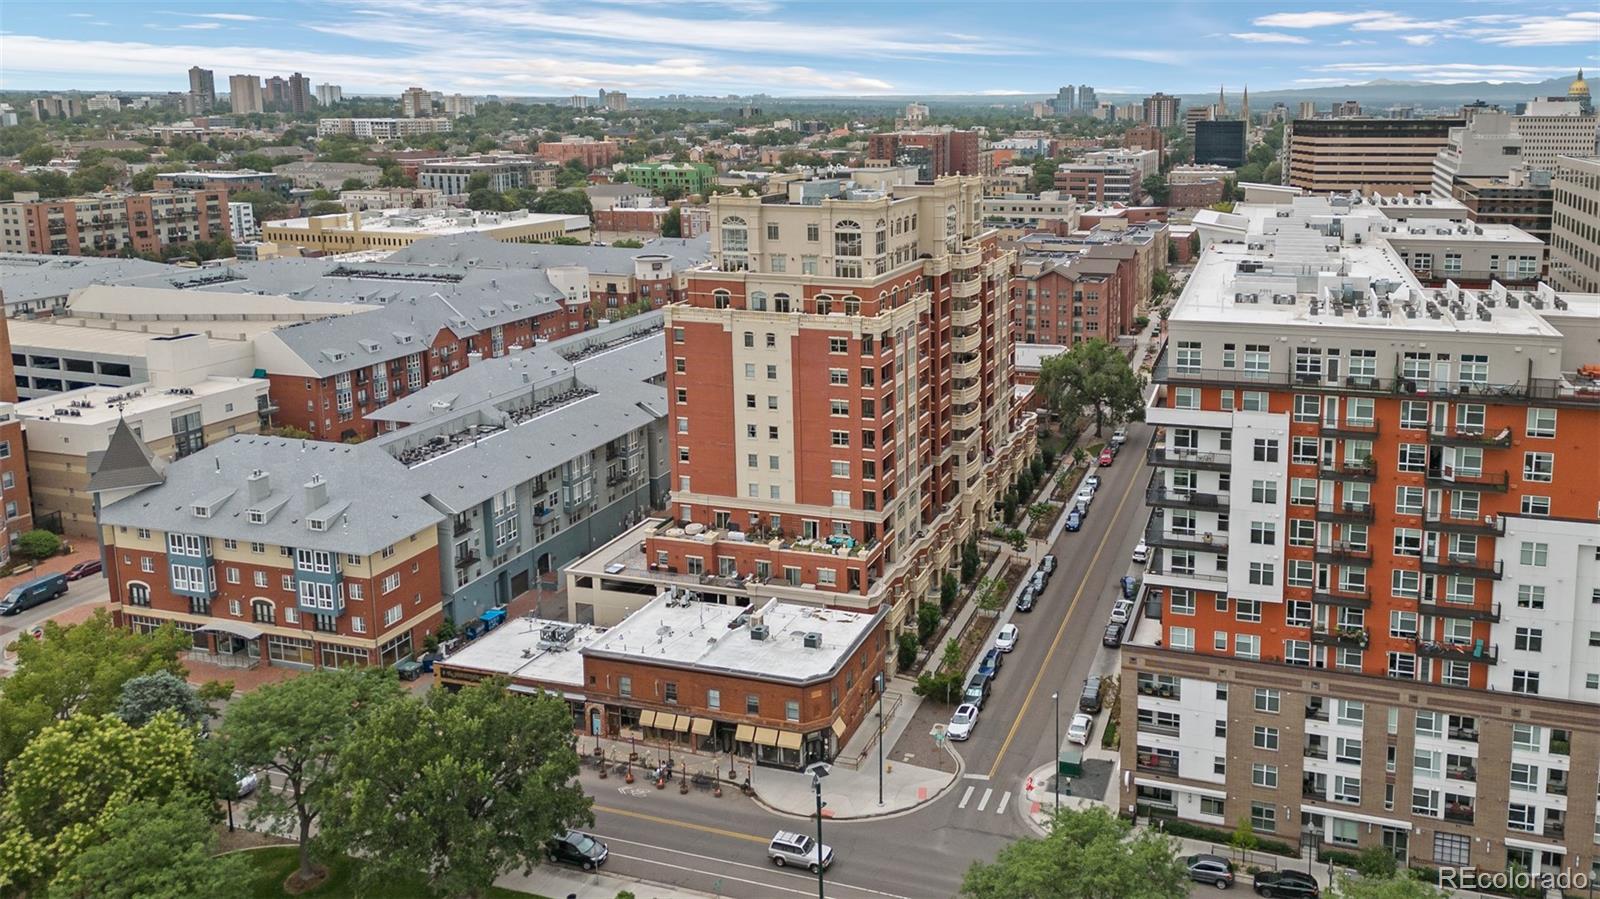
(1144, 162)
(242, 222)
(1575, 224)
(1021, 210)
(1196, 174)
(382, 129)
(1487, 146)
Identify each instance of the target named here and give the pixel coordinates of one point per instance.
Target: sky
(861, 47)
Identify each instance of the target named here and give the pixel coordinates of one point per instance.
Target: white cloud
(230, 17)
(1442, 73)
(1573, 28)
(195, 26)
(1418, 40)
(1502, 29)
(1314, 19)
(1268, 37)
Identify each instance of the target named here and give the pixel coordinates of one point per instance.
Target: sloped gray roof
(382, 503)
(126, 462)
(28, 277)
(476, 250)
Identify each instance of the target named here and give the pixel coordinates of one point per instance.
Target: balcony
(1487, 526)
(1459, 812)
(1345, 511)
(1465, 565)
(963, 289)
(1347, 471)
(1179, 457)
(966, 421)
(1316, 750)
(1468, 436)
(1498, 481)
(1153, 727)
(966, 370)
(467, 558)
(1158, 495)
(1339, 553)
(1351, 429)
(969, 341)
(1157, 764)
(1160, 566)
(1348, 637)
(967, 258)
(1200, 542)
(1477, 651)
(1159, 689)
(542, 514)
(1342, 598)
(965, 396)
(966, 315)
(1462, 772)
(1457, 610)
(461, 527)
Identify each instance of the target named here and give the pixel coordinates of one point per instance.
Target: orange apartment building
(15, 494)
(106, 224)
(1374, 608)
(839, 385)
(591, 153)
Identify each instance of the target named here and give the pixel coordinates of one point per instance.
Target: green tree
(1039, 512)
(563, 202)
(486, 199)
(1158, 189)
(198, 152)
(1402, 886)
(38, 154)
(672, 223)
(991, 594)
(1044, 174)
(78, 669)
(295, 730)
(148, 695)
(1094, 374)
(906, 650)
(1088, 854)
(969, 560)
(266, 206)
(1160, 284)
(1244, 836)
(948, 588)
(1376, 862)
(38, 544)
(324, 207)
(456, 788)
(628, 243)
(927, 621)
(125, 865)
(66, 786)
(353, 184)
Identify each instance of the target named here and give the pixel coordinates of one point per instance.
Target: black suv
(1089, 700)
(578, 848)
(1287, 884)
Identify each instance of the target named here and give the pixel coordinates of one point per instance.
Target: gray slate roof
(28, 277)
(476, 249)
(382, 502)
(124, 464)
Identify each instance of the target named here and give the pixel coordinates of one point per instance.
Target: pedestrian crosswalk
(984, 799)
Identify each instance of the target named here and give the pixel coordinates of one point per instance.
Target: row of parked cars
(1217, 871)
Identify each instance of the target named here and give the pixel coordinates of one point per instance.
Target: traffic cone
(1029, 788)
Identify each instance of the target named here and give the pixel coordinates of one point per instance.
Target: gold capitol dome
(1579, 87)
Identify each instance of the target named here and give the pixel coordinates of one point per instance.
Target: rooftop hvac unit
(813, 640)
(758, 632)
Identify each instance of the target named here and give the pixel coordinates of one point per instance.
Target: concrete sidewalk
(559, 883)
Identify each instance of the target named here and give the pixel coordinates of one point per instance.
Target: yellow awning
(788, 739)
(838, 727)
(683, 724)
(666, 721)
(702, 726)
(766, 736)
(744, 733)
(647, 718)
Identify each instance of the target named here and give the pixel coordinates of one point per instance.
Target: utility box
(1070, 763)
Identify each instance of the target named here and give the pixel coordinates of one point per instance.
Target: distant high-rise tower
(244, 94)
(1066, 101)
(202, 89)
(1244, 112)
(416, 103)
(1161, 110)
(1086, 98)
(299, 99)
(329, 94)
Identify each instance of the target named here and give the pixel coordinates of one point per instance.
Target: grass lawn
(273, 865)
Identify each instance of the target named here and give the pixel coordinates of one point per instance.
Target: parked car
(977, 691)
(1113, 637)
(1287, 885)
(1026, 600)
(1040, 578)
(1130, 586)
(1141, 552)
(992, 660)
(1048, 563)
(1119, 436)
(789, 848)
(1089, 699)
(1122, 611)
(1074, 520)
(1078, 731)
(1085, 496)
(962, 722)
(1092, 481)
(33, 593)
(245, 784)
(83, 570)
(1006, 639)
(1105, 457)
(578, 848)
(1212, 869)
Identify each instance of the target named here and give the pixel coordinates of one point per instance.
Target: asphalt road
(94, 588)
(719, 845)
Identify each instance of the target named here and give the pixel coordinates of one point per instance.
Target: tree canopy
(148, 695)
(123, 865)
(456, 788)
(67, 785)
(295, 729)
(1087, 855)
(1092, 374)
(1399, 886)
(78, 669)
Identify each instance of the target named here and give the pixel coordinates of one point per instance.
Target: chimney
(474, 358)
(316, 493)
(259, 486)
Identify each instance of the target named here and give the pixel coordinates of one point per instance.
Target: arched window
(824, 304)
(758, 301)
(721, 299)
(262, 611)
(852, 305)
(735, 244)
(846, 239)
(780, 303)
(952, 234)
(881, 239)
(138, 594)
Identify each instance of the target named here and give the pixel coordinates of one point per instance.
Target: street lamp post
(880, 686)
(1055, 779)
(819, 770)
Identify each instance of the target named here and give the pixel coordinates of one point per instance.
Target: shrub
(927, 621)
(38, 544)
(906, 648)
(944, 687)
(1222, 837)
(949, 587)
(1049, 456)
(1376, 863)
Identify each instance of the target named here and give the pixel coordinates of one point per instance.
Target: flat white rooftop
(687, 633)
(532, 649)
(101, 405)
(431, 221)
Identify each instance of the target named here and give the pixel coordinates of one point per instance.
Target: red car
(83, 570)
(1105, 458)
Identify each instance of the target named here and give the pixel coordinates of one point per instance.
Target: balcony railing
(1343, 598)
(1466, 436)
(1199, 542)
(1345, 511)
(1157, 494)
(1340, 553)
(1498, 481)
(1461, 772)
(1458, 812)
(1347, 471)
(467, 558)
(1469, 566)
(460, 528)
(1158, 764)
(1152, 727)
(1317, 750)
(1458, 610)
(1160, 565)
(1350, 429)
(1476, 651)
(1488, 525)
(1177, 457)
(1353, 637)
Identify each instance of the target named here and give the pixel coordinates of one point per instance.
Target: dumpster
(1069, 763)
(408, 669)
(493, 619)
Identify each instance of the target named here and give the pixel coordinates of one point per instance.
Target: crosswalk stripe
(966, 797)
(982, 803)
(1004, 800)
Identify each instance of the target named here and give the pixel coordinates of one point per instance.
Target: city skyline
(527, 47)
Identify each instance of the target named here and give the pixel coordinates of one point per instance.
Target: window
(1537, 506)
(1529, 639)
(752, 704)
(1521, 817)
(1414, 414)
(791, 710)
(1541, 423)
(1188, 356)
(1530, 596)
(1451, 849)
(1526, 682)
(1267, 700)
(624, 686)
(1265, 450)
(1263, 775)
(1266, 738)
(841, 438)
(1307, 408)
(1535, 554)
(1264, 817)
(1263, 533)
(1262, 574)
(838, 345)
(1263, 491)
(1351, 712)
(1181, 638)
(1186, 398)
(1538, 467)
(1408, 500)
(1413, 458)
(1182, 602)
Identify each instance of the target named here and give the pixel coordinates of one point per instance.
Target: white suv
(789, 848)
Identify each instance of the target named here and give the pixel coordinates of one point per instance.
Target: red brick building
(105, 224)
(950, 152)
(592, 153)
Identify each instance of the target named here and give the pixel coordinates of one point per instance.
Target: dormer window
(201, 511)
(316, 524)
(256, 516)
